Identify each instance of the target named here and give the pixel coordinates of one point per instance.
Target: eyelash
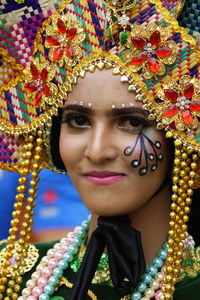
(73, 117)
(69, 118)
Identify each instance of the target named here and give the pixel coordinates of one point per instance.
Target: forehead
(102, 88)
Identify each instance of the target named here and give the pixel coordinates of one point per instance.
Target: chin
(107, 208)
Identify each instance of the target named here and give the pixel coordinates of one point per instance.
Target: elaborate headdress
(39, 64)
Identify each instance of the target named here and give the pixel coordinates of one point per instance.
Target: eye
(76, 120)
(133, 123)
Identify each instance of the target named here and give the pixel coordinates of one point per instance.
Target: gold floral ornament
(63, 38)
(150, 50)
(180, 103)
(38, 84)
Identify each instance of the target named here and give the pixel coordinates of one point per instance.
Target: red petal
(43, 75)
(155, 38)
(138, 42)
(34, 70)
(153, 65)
(46, 90)
(61, 26)
(195, 105)
(163, 51)
(58, 53)
(71, 33)
(170, 111)
(69, 51)
(38, 98)
(31, 87)
(189, 91)
(171, 95)
(187, 117)
(52, 40)
(138, 59)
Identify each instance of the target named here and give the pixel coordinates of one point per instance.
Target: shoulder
(189, 285)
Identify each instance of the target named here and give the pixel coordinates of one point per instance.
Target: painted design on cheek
(148, 155)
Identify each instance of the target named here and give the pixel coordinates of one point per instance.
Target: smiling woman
(110, 96)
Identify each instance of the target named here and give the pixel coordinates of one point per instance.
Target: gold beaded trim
(19, 234)
(165, 12)
(29, 261)
(15, 66)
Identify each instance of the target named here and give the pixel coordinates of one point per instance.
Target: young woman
(116, 92)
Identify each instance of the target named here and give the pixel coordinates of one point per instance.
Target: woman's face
(114, 154)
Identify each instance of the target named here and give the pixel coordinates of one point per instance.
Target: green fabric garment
(187, 289)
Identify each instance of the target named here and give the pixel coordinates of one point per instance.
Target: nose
(101, 145)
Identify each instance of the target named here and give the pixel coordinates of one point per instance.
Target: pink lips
(103, 178)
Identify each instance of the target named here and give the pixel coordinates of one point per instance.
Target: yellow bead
(20, 197)
(14, 296)
(30, 138)
(29, 146)
(40, 133)
(187, 210)
(169, 261)
(170, 242)
(7, 263)
(194, 156)
(177, 262)
(37, 157)
(170, 251)
(183, 165)
(184, 227)
(182, 173)
(2, 288)
(173, 206)
(22, 180)
(172, 215)
(168, 135)
(177, 162)
(181, 245)
(18, 205)
(172, 224)
(185, 219)
(174, 188)
(11, 238)
(184, 155)
(176, 170)
(175, 179)
(9, 291)
(3, 280)
(193, 165)
(191, 183)
(178, 143)
(39, 141)
(192, 174)
(18, 280)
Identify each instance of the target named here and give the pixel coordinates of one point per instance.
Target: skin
(96, 141)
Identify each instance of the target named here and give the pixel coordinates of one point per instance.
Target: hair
(194, 222)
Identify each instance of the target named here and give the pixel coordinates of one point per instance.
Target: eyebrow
(112, 112)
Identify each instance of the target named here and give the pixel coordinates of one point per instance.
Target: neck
(152, 220)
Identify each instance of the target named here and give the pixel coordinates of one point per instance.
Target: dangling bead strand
(181, 199)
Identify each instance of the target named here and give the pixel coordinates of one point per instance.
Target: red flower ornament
(38, 84)
(63, 38)
(150, 50)
(181, 103)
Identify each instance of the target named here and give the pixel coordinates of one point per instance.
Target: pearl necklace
(46, 277)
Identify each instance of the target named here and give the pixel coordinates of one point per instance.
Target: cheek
(146, 152)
